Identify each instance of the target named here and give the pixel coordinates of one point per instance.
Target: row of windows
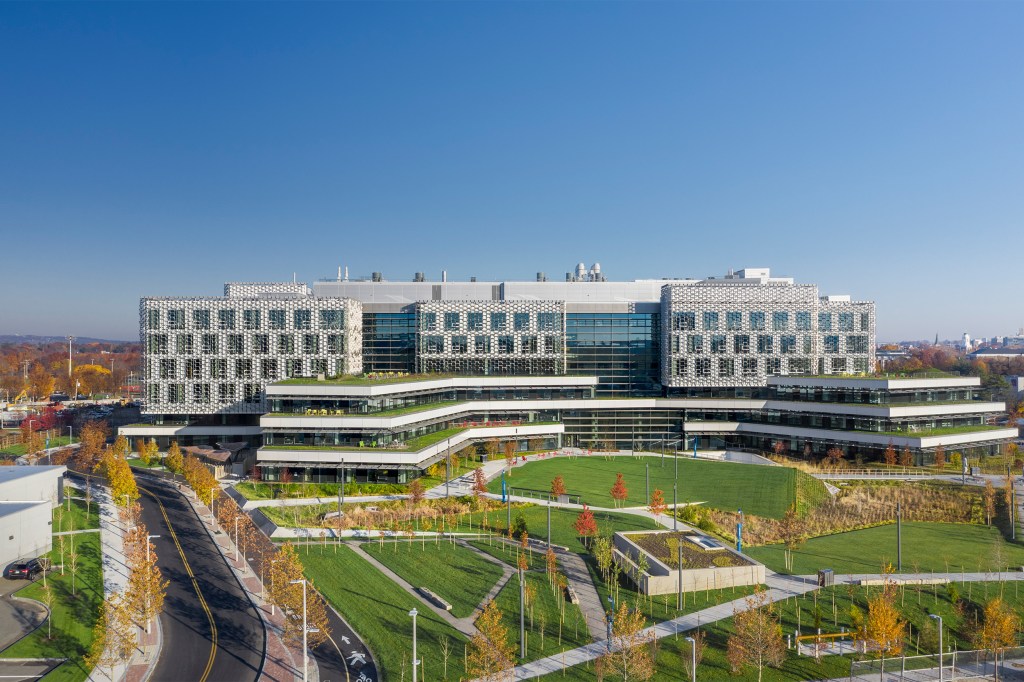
(251, 319)
(242, 368)
(234, 344)
(203, 394)
(546, 322)
(757, 321)
(788, 344)
(748, 367)
(505, 344)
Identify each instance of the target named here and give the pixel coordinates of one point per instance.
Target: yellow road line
(195, 586)
(341, 654)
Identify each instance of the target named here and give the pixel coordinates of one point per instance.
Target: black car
(26, 570)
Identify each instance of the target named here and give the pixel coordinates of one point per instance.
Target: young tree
(535, 444)
(998, 630)
(416, 492)
(906, 459)
(491, 447)
(510, 455)
(691, 653)
(284, 568)
(657, 505)
(631, 656)
(142, 451)
(585, 524)
(835, 457)
(92, 440)
(791, 534)
(940, 457)
(146, 586)
(73, 558)
(490, 657)
(758, 638)
(114, 637)
(120, 447)
(989, 497)
(47, 599)
(884, 627)
(558, 486)
(890, 454)
(619, 491)
(174, 462)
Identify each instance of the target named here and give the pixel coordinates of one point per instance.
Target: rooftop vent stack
(419, 277)
(444, 275)
(472, 279)
(339, 273)
(568, 277)
(346, 273)
(377, 277)
(581, 271)
(541, 277)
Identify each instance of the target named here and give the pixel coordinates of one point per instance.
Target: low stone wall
(663, 579)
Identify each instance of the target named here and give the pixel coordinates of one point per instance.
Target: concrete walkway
(576, 573)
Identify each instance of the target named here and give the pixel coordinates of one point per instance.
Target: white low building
(27, 497)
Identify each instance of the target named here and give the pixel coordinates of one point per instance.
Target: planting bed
(665, 547)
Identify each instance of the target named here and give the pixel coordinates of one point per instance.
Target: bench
(434, 599)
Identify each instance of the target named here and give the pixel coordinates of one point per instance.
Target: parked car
(26, 570)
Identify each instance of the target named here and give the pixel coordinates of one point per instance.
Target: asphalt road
(17, 617)
(210, 629)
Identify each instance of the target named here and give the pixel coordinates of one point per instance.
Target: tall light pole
(447, 466)
(899, 537)
(693, 658)
(236, 538)
(148, 620)
(675, 510)
(522, 615)
(939, 618)
(305, 632)
(70, 339)
(415, 662)
(71, 435)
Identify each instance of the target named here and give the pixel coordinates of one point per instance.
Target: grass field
(548, 631)
(19, 448)
(761, 490)
(938, 547)
(75, 515)
(379, 611)
(459, 575)
(73, 616)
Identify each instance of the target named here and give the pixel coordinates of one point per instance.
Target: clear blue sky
(874, 148)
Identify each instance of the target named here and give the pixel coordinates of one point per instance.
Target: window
(236, 344)
(710, 321)
(549, 322)
(261, 344)
(168, 369)
(460, 344)
(318, 366)
(335, 344)
(498, 321)
(176, 393)
(684, 322)
(153, 393)
(838, 365)
(225, 319)
(726, 367)
(799, 365)
(803, 322)
(780, 321)
(303, 319)
(226, 392)
(741, 343)
(865, 322)
(846, 322)
(824, 322)
(285, 344)
(702, 367)
(152, 319)
(428, 321)
(773, 366)
(433, 344)
(310, 344)
(332, 319)
(733, 321)
(452, 321)
(676, 343)
(176, 319)
(749, 367)
(193, 368)
(681, 365)
(552, 344)
(529, 344)
(505, 345)
(482, 345)
(787, 344)
(210, 344)
(251, 393)
(201, 319)
(293, 367)
(757, 322)
(718, 343)
(764, 344)
(185, 344)
(694, 343)
(860, 365)
(243, 368)
(856, 344)
(831, 344)
(521, 321)
(219, 368)
(808, 345)
(201, 393)
(475, 322)
(277, 319)
(251, 319)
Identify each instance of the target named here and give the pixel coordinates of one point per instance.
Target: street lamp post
(522, 615)
(675, 510)
(939, 618)
(305, 632)
(693, 658)
(236, 539)
(447, 466)
(148, 620)
(71, 435)
(415, 662)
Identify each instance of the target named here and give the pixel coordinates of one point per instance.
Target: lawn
(939, 547)
(459, 575)
(155, 463)
(19, 448)
(74, 515)
(271, 491)
(73, 615)
(549, 629)
(379, 611)
(760, 490)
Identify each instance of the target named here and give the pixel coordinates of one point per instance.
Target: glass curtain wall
(621, 349)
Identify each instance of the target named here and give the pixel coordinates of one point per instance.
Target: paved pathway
(463, 625)
(506, 573)
(576, 573)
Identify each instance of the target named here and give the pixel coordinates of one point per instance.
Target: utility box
(826, 578)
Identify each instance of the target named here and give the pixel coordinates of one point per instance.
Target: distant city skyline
(163, 148)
